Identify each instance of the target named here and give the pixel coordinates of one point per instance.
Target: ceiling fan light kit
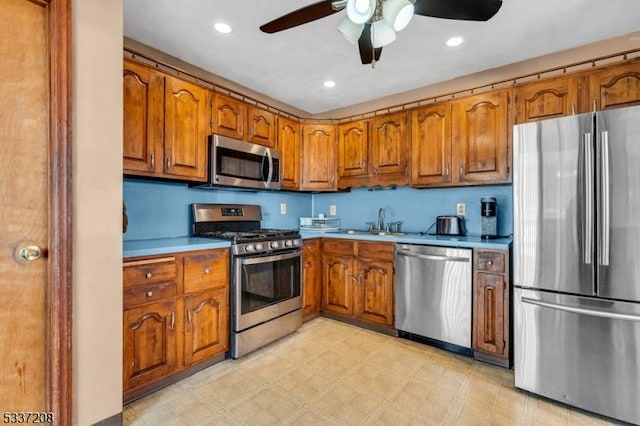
(350, 30)
(374, 23)
(382, 33)
(360, 11)
(397, 13)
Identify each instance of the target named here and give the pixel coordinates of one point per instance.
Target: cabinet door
(228, 116)
(482, 139)
(547, 99)
(143, 114)
(206, 325)
(352, 149)
(615, 87)
(390, 149)
(185, 134)
(318, 157)
(489, 314)
(311, 278)
(337, 289)
(431, 145)
(289, 146)
(375, 292)
(149, 347)
(261, 126)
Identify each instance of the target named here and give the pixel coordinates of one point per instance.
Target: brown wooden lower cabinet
(358, 280)
(311, 278)
(176, 316)
(491, 304)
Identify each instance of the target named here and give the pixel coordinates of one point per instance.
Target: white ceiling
(292, 65)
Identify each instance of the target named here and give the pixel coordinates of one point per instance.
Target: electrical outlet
(332, 210)
(461, 209)
(283, 208)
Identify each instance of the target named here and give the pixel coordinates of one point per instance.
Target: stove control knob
(288, 243)
(259, 246)
(274, 244)
(249, 248)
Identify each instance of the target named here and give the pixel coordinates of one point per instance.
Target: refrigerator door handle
(605, 200)
(582, 311)
(587, 229)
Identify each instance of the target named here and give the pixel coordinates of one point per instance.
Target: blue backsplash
(159, 209)
(417, 208)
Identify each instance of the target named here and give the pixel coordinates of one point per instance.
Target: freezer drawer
(578, 350)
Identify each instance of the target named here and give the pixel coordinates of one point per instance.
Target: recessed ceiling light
(223, 28)
(329, 83)
(455, 41)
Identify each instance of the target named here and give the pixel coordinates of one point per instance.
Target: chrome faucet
(380, 224)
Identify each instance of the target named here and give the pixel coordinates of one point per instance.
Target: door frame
(60, 244)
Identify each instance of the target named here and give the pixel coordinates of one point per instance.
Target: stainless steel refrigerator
(576, 195)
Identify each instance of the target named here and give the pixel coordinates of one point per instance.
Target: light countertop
(155, 246)
(467, 241)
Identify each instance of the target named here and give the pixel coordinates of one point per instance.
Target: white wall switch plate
(332, 210)
(461, 209)
(283, 208)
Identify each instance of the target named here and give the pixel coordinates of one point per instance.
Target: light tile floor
(330, 373)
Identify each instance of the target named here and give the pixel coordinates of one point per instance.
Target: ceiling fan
(373, 23)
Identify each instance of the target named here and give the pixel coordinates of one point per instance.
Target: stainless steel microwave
(242, 164)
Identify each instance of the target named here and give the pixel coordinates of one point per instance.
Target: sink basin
(372, 232)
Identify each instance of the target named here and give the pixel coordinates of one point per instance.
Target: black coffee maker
(489, 212)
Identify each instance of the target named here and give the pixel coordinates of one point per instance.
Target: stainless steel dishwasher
(433, 294)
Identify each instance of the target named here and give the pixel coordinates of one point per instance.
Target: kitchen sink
(372, 232)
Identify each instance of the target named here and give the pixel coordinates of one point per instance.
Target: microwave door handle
(270, 174)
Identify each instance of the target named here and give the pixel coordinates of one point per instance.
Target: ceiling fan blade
(367, 52)
(301, 16)
(466, 10)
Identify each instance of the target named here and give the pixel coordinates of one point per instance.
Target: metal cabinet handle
(172, 325)
(446, 170)
(149, 293)
(207, 271)
(168, 162)
(153, 160)
(189, 315)
(490, 262)
(148, 275)
(461, 169)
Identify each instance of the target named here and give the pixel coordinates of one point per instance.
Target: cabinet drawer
(342, 247)
(150, 271)
(148, 293)
(311, 245)
(206, 270)
(367, 250)
(492, 261)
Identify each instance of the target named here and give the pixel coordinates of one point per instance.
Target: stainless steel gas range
(266, 273)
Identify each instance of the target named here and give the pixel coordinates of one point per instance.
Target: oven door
(266, 287)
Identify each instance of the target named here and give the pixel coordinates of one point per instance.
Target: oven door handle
(267, 259)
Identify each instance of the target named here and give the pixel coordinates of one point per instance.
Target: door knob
(28, 253)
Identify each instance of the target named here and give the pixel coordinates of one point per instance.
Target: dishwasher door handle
(435, 257)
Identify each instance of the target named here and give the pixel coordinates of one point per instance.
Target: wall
(162, 209)
(416, 208)
(159, 209)
(97, 199)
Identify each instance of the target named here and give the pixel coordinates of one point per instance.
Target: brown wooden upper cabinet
(389, 149)
(229, 116)
(353, 153)
(615, 86)
(165, 125)
(481, 139)
(552, 98)
(318, 157)
(431, 145)
(236, 119)
(289, 146)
